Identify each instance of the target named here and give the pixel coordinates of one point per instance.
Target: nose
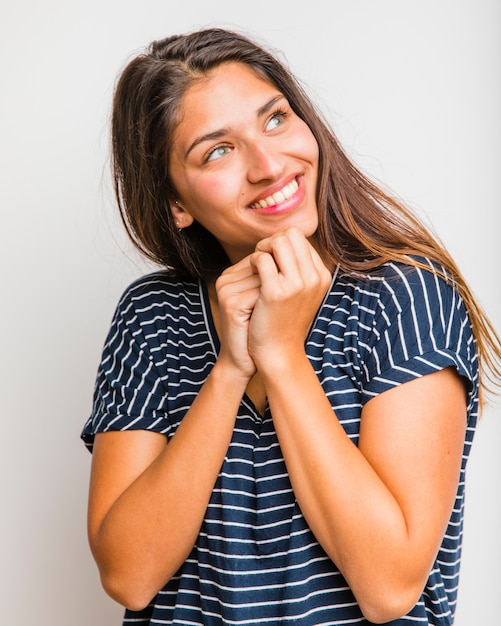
(264, 161)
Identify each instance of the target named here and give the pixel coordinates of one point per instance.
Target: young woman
(284, 411)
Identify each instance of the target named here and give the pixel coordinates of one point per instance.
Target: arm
(379, 510)
(148, 498)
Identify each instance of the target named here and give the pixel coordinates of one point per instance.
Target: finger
(241, 268)
(282, 246)
(237, 289)
(310, 263)
(299, 264)
(238, 281)
(265, 243)
(264, 265)
(242, 271)
(275, 284)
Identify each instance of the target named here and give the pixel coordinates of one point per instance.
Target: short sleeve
(422, 327)
(129, 392)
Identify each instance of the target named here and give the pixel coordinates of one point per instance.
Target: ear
(182, 218)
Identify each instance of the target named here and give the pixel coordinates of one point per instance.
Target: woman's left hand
(294, 281)
(378, 507)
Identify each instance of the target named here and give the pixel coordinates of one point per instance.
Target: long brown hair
(361, 226)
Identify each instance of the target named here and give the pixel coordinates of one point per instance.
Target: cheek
(218, 191)
(310, 144)
(210, 199)
(214, 188)
(303, 145)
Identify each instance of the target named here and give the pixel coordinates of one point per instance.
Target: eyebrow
(217, 134)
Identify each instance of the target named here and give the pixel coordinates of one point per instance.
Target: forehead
(229, 92)
(229, 77)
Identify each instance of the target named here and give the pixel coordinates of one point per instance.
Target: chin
(309, 228)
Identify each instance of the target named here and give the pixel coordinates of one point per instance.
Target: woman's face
(243, 163)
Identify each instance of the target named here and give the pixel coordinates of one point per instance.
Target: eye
(276, 120)
(218, 152)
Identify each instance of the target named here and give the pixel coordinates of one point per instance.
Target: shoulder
(157, 290)
(412, 321)
(158, 284)
(416, 306)
(395, 287)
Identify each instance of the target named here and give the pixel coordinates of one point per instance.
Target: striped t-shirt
(255, 560)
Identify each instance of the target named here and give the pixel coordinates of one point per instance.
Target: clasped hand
(268, 300)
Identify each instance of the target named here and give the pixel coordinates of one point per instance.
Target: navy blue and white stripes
(255, 560)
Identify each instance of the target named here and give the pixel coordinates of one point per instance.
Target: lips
(279, 196)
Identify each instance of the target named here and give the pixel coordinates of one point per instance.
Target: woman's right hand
(149, 498)
(237, 291)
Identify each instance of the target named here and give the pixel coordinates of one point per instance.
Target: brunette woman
(284, 410)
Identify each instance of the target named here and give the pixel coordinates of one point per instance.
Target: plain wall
(413, 91)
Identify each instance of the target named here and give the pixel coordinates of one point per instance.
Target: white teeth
(279, 196)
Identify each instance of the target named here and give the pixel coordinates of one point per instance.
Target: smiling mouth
(277, 197)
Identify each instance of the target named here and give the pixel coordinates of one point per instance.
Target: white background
(413, 91)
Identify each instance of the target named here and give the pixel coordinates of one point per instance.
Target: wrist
(227, 376)
(282, 365)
